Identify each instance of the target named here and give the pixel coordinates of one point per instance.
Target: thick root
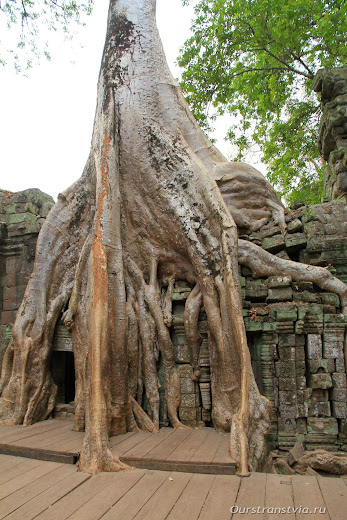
(143, 421)
(263, 263)
(191, 319)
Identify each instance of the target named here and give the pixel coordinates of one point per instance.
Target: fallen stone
(295, 453)
(323, 461)
(282, 468)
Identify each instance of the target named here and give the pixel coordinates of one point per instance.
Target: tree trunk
(145, 212)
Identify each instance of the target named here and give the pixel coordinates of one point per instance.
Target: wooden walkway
(34, 489)
(196, 451)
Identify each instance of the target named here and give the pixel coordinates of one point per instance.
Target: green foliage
(256, 59)
(24, 22)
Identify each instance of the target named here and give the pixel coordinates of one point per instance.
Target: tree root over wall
(146, 211)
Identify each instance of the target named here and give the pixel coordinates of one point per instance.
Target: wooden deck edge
(186, 467)
(39, 454)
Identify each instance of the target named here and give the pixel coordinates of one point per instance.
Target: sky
(46, 118)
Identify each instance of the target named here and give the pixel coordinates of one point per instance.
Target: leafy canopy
(256, 59)
(24, 24)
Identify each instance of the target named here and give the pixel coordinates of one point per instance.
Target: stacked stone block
(21, 217)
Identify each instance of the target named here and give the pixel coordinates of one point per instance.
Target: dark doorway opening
(63, 374)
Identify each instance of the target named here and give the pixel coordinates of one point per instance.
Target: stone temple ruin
(295, 333)
(144, 237)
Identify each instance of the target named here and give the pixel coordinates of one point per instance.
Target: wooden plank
(79, 496)
(164, 499)
(128, 443)
(22, 432)
(6, 428)
(251, 495)
(181, 466)
(307, 494)
(188, 446)
(141, 449)
(166, 447)
(49, 497)
(116, 439)
(222, 454)
(39, 439)
(9, 474)
(190, 502)
(97, 506)
(43, 468)
(208, 449)
(279, 497)
(72, 443)
(66, 436)
(37, 453)
(334, 493)
(69, 439)
(10, 461)
(23, 495)
(128, 506)
(221, 497)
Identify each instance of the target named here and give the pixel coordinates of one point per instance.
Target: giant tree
(145, 212)
(256, 60)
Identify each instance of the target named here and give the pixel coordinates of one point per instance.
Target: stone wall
(21, 218)
(295, 334)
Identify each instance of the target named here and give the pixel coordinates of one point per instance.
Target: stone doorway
(63, 372)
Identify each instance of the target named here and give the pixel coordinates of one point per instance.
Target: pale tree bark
(146, 211)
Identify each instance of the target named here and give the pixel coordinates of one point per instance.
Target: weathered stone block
(300, 340)
(295, 241)
(283, 312)
(306, 296)
(287, 383)
(333, 344)
(301, 383)
(286, 340)
(287, 424)
(8, 317)
(319, 395)
(256, 293)
(189, 400)
(287, 398)
(330, 299)
(279, 281)
(339, 409)
(187, 414)
(318, 409)
(273, 244)
(322, 425)
(301, 425)
(302, 410)
(288, 412)
(326, 365)
(295, 453)
(338, 394)
(339, 380)
(340, 364)
(285, 369)
(314, 346)
(280, 294)
(182, 353)
(300, 368)
(322, 381)
(286, 353)
(294, 226)
(300, 353)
